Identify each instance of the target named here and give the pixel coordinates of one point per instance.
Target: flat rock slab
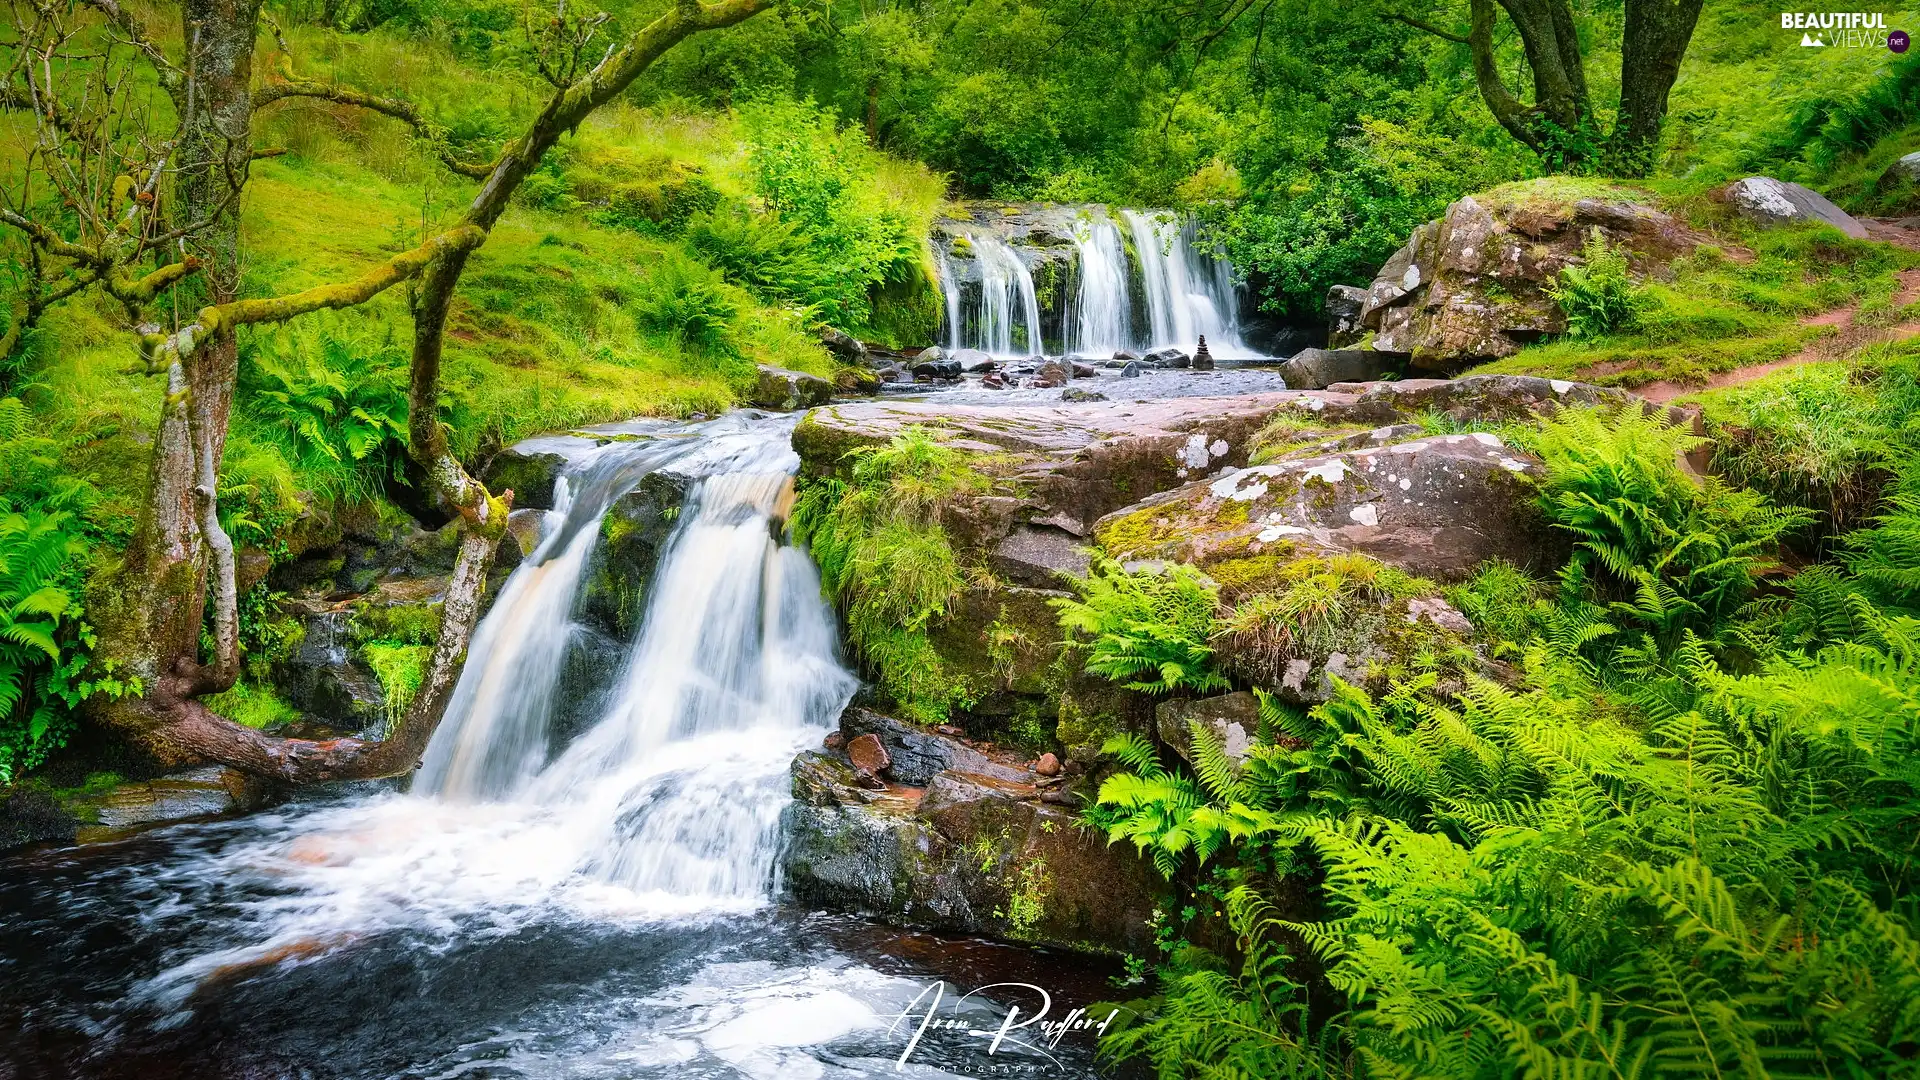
(1767, 201)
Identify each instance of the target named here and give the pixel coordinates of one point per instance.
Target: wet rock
(182, 796)
(1169, 358)
(993, 380)
(892, 372)
(1232, 719)
(1344, 305)
(1472, 285)
(835, 740)
(1131, 371)
(323, 677)
(974, 361)
(529, 470)
(784, 391)
(1436, 507)
(588, 672)
(850, 380)
(1317, 369)
(1082, 370)
(1125, 357)
(1766, 201)
(613, 587)
(1202, 356)
(29, 815)
(1048, 765)
(914, 754)
(1038, 556)
(962, 851)
(523, 532)
(1052, 373)
(936, 369)
(1074, 393)
(868, 755)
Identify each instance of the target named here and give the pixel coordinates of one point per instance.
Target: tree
(107, 167)
(1560, 124)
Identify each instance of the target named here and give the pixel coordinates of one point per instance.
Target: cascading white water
(1006, 294)
(1190, 294)
(1101, 318)
(949, 292)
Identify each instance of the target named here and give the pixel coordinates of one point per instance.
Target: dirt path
(1851, 334)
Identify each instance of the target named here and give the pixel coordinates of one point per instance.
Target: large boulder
(1317, 369)
(1767, 201)
(530, 468)
(1436, 507)
(848, 350)
(633, 532)
(1472, 285)
(963, 839)
(784, 391)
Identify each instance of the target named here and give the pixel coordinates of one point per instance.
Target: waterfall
(677, 790)
(1190, 294)
(950, 292)
(1004, 283)
(1101, 316)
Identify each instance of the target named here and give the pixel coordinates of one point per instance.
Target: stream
(536, 905)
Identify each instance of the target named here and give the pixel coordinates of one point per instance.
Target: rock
(1131, 371)
(183, 796)
(1472, 285)
(936, 369)
(784, 391)
(633, 531)
(1904, 171)
(1317, 369)
(1048, 765)
(1233, 719)
(1125, 357)
(1038, 555)
(1202, 357)
(1053, 373)
(1169, 358)
(589, 670)
(932, 354)
(1767, 201)
(29, 815)
(1082, 370)
(868, 755)
(1440, 613)
(846, 348)
(1073, 393)
(860, 380)
(523, 528)
(1344, 304)
(530, 470)
(964, 852)
(323, 678)
(1436, 507)
(974, 361)
(993, 380)
(916, 755)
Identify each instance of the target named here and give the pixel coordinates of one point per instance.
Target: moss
(1139, 531)
(1231, 512)
(400, 669)
(254, 705)
(1252, 573)
(406, 624)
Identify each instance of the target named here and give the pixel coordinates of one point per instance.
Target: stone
(1051, 374)
(936, 369)
(1074, 393)
(1202, 356)
(323, 677)
(1131, 371)
(1038, 556)
(1126, 356)
(1082, 370)
(835, 740)
(1766, 201)
(1437, 611)
(867, 753)
(529, 470)
(1905, 171)
(953, 851)
(1317, 369)
(785, 391)
(1048, 765)
(1169, 358)
(1436, 507)
(860, 380)
(633, 532)
(1473, 285)
(29, 815)
(1344, 304)
(523, 528)
(974, 361)
(1233, 719)
(915, 755)
(993, 380)
(846, 348)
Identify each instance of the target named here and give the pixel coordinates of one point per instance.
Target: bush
(333, 395)
(687, 302)
(1151, 631)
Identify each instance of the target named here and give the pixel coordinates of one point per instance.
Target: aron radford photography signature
(1031, 1029)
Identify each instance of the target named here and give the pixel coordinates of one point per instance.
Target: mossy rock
(635, 529)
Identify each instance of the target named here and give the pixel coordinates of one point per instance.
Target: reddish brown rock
(1048, 765)
(868, 754)
(834, 740)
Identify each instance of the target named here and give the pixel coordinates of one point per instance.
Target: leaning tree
(141, 205)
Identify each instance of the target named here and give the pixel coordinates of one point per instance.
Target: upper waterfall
(1021, 280)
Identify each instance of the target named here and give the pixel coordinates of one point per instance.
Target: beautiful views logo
(1843, 29)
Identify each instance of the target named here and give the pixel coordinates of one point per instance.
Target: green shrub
(686, 301)
(36, 550)
(334, 395)
(400, 669)
(1151, 630)
(1598, 296)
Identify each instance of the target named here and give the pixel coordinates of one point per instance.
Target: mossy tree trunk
(152, 620)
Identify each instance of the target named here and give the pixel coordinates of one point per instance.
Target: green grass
(254, 705)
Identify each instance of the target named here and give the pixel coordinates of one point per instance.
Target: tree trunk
(150, 613)
(1651, 49)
